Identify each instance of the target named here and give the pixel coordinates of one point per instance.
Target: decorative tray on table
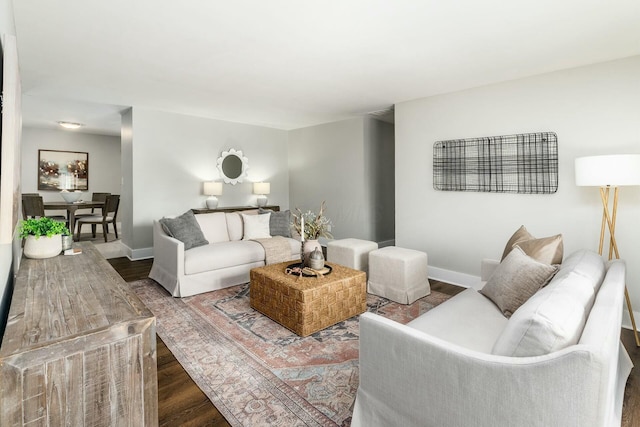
(297, 270)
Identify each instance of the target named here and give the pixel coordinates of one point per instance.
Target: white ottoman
(398, 274)
(352, 253)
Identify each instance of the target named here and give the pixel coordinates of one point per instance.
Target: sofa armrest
(168, 252)
(410, 378)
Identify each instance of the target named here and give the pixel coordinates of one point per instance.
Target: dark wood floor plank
(180, 400)
(445, 288)
(182, 403)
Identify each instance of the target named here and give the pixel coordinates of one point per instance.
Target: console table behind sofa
(233, 209)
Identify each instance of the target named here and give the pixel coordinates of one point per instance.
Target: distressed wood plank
(79, 347)
(74, 368)
(56, 392)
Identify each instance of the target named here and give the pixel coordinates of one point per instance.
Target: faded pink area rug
(257, 372)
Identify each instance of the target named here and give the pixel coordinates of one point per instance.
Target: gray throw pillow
(186, 229)
(515, 280)
(279, 223)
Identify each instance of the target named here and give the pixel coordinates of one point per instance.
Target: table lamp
(212, 189)
(610, 172)
(262, 189)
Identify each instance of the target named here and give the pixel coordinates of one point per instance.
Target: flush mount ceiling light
(70, 125)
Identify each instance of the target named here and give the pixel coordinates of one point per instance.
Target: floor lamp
(609, 173)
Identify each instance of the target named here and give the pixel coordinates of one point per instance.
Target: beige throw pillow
(520, 235)
(256, 226)
(515, 280)
(548, 250)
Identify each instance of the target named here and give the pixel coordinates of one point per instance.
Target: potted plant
(43, 237)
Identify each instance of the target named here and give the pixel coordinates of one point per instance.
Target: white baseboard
(454, 277)
(626, 320)
(386, 243)
(139, 254)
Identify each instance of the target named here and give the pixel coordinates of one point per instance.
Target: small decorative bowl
(71, 197)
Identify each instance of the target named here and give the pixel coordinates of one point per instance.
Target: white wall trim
(386, 243)
(138, 254)
(626, 320)
(454, 277)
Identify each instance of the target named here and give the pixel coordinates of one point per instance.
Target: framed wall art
(63, 170)
(522, 163)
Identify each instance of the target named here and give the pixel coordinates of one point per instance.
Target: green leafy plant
(42, 227)
(315, 225)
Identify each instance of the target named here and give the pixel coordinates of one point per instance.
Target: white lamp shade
(212, 188)
(261, 188)
(613, 170)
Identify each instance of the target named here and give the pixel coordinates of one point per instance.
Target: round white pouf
(398, 274)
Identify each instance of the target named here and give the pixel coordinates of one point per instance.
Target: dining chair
(95, 197)
(109, 214)
(33, 207)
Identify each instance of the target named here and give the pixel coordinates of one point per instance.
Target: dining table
(71, 208)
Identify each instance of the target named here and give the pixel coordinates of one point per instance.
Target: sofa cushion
(585, 263)
(214, 226)
(548, 250)
(186, 229)
(256, 226)
(222, 255)
(468, 320)
(235, 227)
(514, 281)
(555, 316)
(279, 222)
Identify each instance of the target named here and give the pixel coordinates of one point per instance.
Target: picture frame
(63, 170)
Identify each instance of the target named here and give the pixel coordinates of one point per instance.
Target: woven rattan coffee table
(308, 304)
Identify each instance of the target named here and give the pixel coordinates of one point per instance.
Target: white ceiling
(294, 63)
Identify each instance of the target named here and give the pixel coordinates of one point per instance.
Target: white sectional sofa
(225, 261)
(557, 361)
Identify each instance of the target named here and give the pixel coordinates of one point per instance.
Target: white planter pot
(43, 247)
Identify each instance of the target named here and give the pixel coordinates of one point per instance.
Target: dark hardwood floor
(182, 403)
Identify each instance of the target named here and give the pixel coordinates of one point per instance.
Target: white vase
(308, 247)
(42, 247)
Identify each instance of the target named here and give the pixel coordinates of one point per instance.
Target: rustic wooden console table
(79, 347)
(233, 209)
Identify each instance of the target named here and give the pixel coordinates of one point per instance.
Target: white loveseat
(225, 261)
(442, 369)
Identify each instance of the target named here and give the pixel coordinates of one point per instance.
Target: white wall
(126, 166)
(173, 154)
(337, 162)
(594, 110)
(326, 163)
(104, 159)
(7, 250)
(7, 24)
(380, 170)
